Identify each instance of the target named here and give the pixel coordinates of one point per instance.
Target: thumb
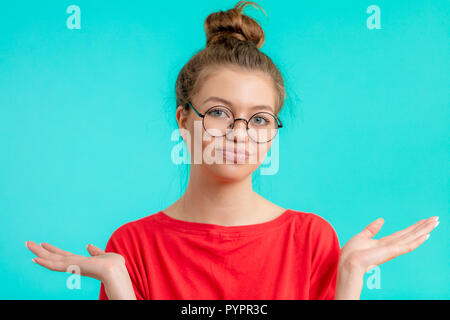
(372, 229)
(93, 250)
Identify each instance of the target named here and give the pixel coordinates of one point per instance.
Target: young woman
(220, 239)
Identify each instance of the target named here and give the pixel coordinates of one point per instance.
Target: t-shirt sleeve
(121, 242)
(324, 261)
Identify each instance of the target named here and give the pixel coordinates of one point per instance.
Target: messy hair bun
(222, 25)
(232, 39)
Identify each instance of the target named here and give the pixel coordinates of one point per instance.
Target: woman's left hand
(362, 252)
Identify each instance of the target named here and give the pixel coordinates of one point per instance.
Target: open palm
(363, 252)
(96, 266)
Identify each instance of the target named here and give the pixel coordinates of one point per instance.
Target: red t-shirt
(293, 256)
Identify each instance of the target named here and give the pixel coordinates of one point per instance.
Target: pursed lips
(237, 151)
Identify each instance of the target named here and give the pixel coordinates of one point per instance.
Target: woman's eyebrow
(265, 107)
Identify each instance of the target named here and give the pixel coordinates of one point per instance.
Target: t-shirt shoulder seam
(314, 216)
(134, 223)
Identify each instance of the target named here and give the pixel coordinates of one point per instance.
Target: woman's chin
(232, 171)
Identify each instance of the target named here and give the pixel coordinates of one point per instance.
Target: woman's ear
(181, 117)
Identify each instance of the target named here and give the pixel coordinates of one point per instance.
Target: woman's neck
(208, 199)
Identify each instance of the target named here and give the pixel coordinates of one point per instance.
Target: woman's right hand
(100, 265)
(108, 267)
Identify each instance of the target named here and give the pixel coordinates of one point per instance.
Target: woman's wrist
(349, 281)
(112, 272)
(118, 284)
(350, 265)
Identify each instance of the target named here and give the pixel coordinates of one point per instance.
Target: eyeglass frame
(278, 121)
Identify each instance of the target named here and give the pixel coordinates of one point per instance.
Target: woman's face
(243, 93)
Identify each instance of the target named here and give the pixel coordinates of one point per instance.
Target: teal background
(86, 117)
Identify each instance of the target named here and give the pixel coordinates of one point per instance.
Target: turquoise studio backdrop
(87, 109)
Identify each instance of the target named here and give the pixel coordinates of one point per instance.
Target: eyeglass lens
(219, 121)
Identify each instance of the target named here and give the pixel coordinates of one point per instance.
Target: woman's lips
(234, 154)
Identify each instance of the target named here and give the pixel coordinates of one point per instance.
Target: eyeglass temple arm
(280, 125)
(199, 114)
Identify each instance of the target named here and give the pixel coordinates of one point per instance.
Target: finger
(39, 251)
(423, 229)
(54, 265)
(400, 249)
(55, 250)
(402, 232)
(93, 250)
(372, 229)
(380, 255)
(413, 227)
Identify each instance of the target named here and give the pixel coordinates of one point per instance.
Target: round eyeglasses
(218, 121)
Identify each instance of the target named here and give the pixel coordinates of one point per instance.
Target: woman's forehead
(238, 106)
(238, 89)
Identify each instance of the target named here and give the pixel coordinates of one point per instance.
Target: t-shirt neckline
(200, 227)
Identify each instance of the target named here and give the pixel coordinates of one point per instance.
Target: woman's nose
(239, 132)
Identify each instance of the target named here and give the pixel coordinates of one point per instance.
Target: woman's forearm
(118, 284)
(349, 283)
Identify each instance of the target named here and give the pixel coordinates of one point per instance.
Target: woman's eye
(218, 113)
(260, 120)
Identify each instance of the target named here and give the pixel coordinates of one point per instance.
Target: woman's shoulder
(312, 221)
(302, 217)
(136, 226)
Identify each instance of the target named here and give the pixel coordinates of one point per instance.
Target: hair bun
(224, 25)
